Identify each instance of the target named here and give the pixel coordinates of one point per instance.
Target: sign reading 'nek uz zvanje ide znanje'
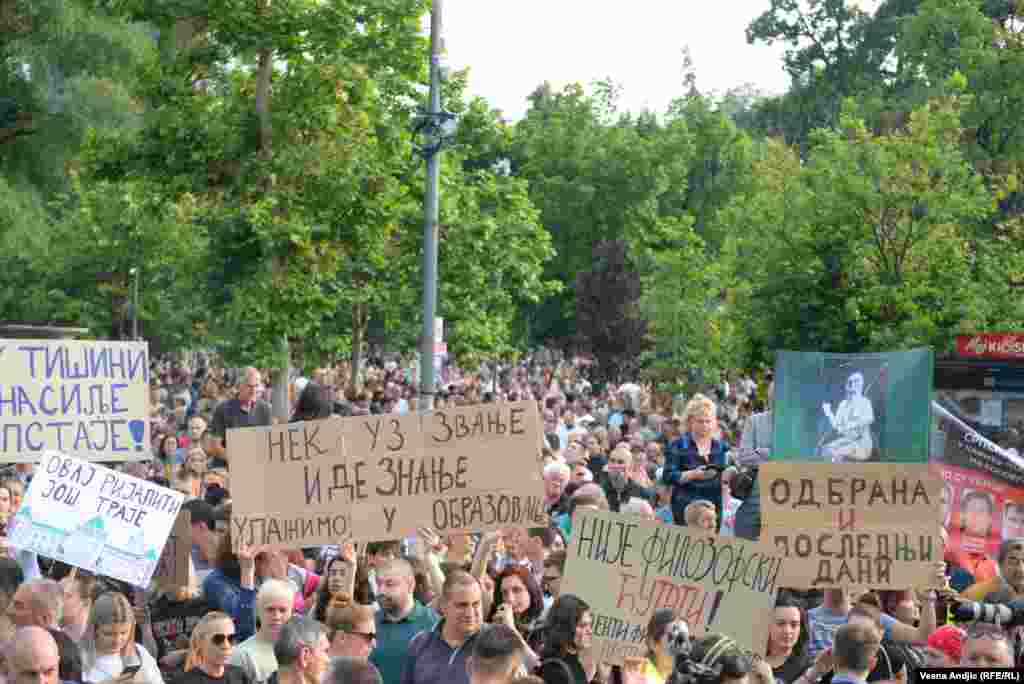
(382, 477)
(86, 399)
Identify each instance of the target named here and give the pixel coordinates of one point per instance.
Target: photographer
(734, 664)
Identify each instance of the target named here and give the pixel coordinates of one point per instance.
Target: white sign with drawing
(95, 518)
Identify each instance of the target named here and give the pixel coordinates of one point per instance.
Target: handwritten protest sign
(173, 570)
(473, 468)
(626, 568)
(382, 477)
(85, 399)
(95, 518)
(869, 525)
(290, 485)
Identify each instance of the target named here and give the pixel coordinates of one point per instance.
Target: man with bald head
(38, 603)
(400, 618)
(246, 410)
(32, 657)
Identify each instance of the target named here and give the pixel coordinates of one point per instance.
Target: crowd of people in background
(482, 608)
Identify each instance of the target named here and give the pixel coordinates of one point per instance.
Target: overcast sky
(511, 48)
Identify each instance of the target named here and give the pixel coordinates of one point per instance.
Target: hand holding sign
(348, 553)
(247, 563)
(432, 543)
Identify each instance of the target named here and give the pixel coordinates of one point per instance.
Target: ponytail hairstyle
(199, 634)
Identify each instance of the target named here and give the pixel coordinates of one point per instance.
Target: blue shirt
(393, 639)
(227, 595)
(433, 661)
(682, 456)
(664, 514)
(823, 625)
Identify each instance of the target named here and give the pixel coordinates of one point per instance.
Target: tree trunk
(263, 78)
(281, 405)
(359, 321)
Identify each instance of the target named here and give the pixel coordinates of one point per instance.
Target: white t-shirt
(111, 666)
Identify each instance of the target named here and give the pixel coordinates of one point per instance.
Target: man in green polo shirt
(400, 618)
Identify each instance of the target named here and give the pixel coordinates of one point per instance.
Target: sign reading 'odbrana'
(86, 399)
(626, 568)
(314, 483)
(871, 525)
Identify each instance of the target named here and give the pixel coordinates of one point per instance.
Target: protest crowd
(485, 608)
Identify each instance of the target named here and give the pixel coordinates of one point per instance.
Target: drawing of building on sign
(25, 532)
(136, 560)
(84, 546)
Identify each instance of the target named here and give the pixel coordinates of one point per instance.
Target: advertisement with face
(982, 497)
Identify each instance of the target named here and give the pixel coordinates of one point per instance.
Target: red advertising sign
(991, 346)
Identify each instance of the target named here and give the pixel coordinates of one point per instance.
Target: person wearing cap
(945, 647)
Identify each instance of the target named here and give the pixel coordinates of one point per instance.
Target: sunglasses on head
(221, 639)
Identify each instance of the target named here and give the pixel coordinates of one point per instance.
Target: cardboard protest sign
(852, 408)
(291, 485)
(982, 500)
(867, 525)
(383, 477)
(473, 468)
(173, 570)
(87, 399)
(95, 518)
(626, 568)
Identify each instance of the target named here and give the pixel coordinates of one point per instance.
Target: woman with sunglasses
(210, 649)
(109, 652)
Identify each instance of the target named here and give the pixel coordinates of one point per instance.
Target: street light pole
(430, 222)
(135, 304)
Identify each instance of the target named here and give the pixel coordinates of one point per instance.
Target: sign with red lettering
(867, 525)
(991, 346)
(626, 568)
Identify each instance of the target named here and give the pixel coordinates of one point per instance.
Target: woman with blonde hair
(210, 648)
(109, 651)
(701, 514)
(696, 463)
